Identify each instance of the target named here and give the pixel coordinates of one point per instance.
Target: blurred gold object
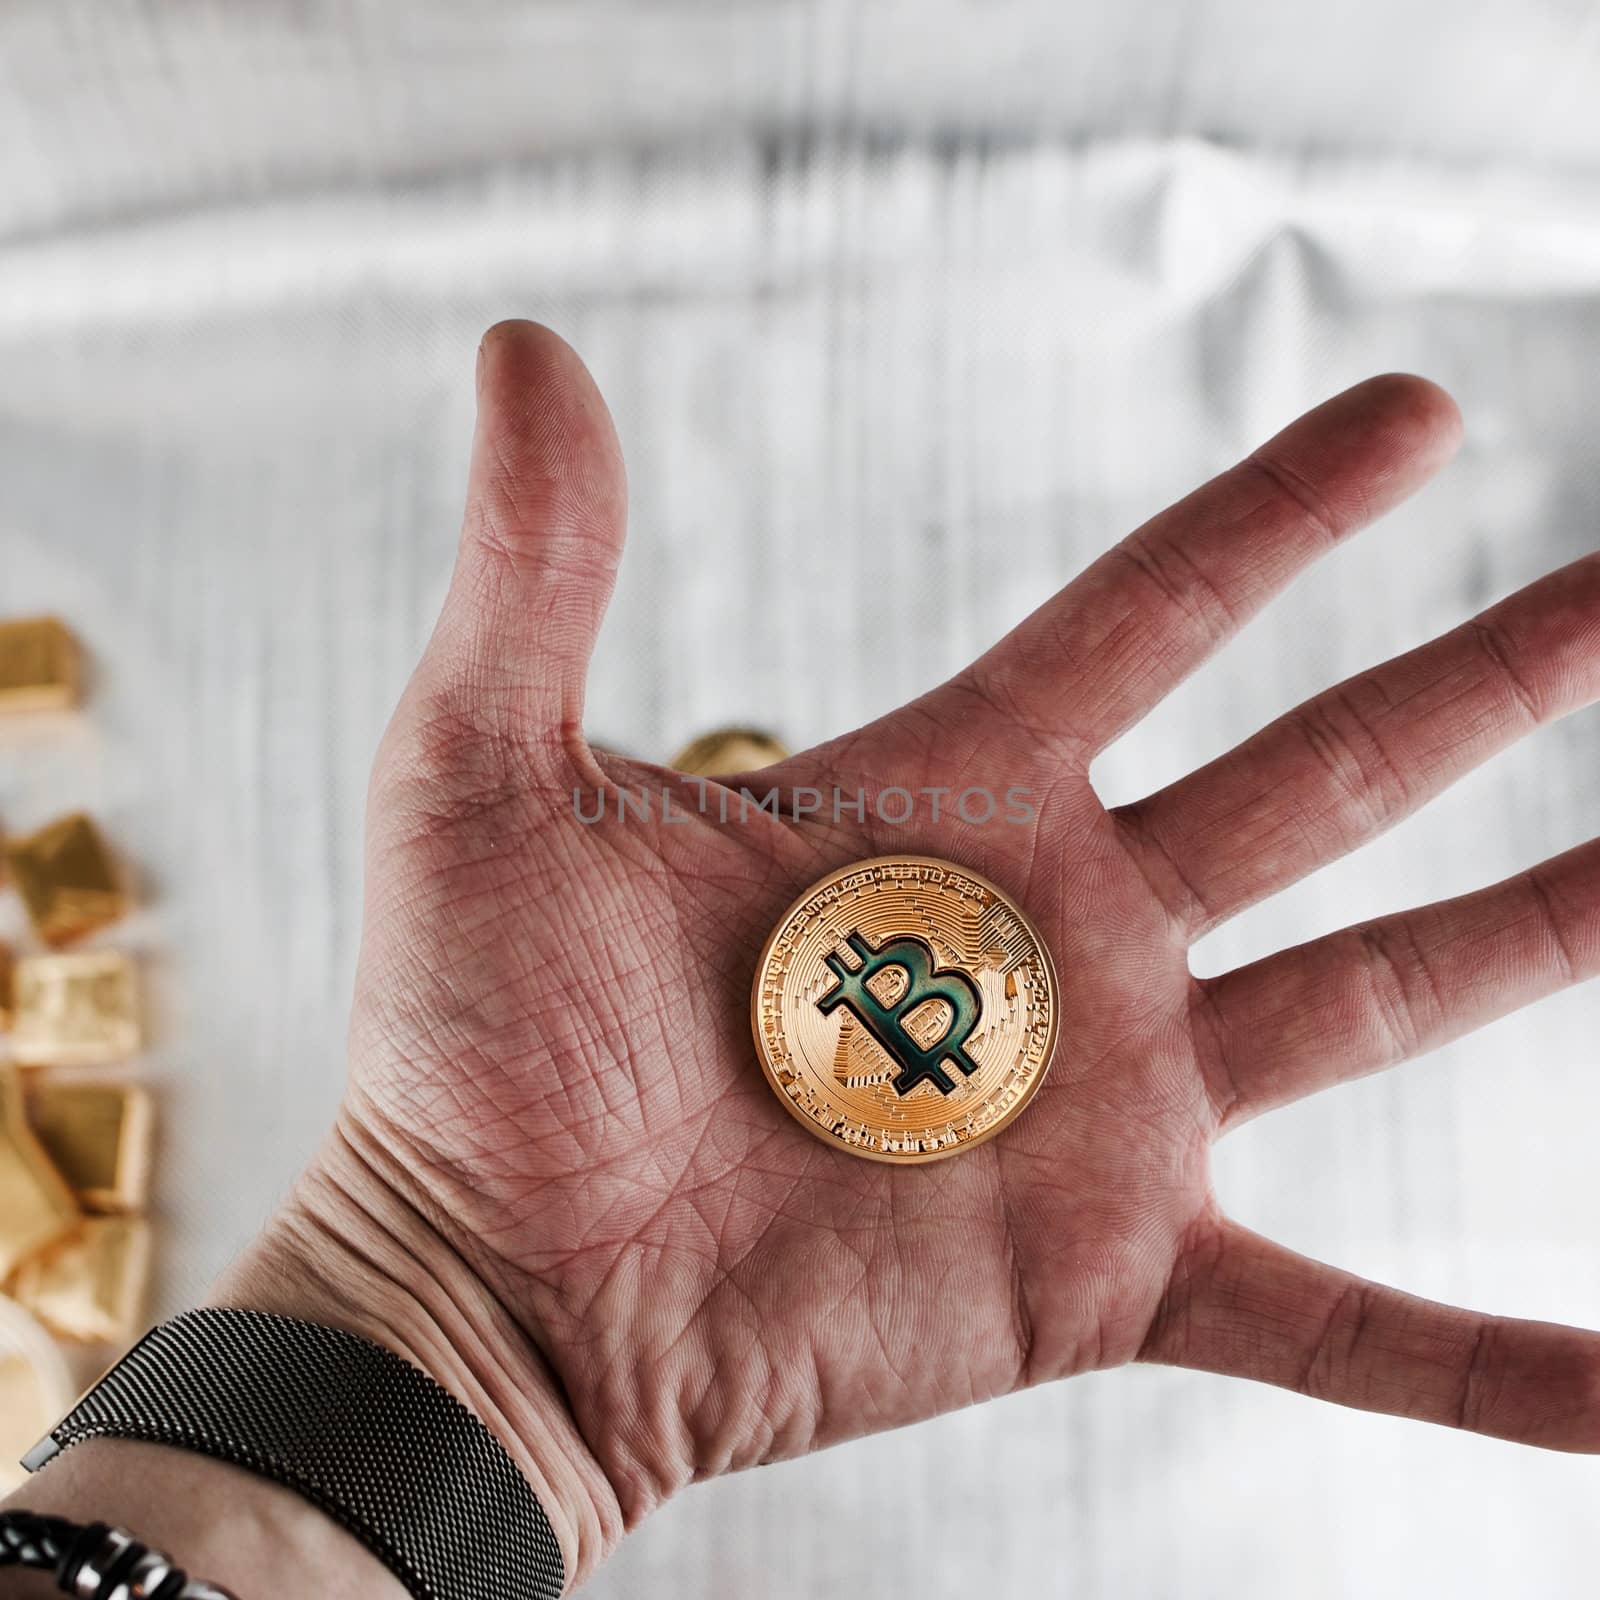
(98, 1135)
(65, 876)
(91, 1286)
(36, 1388)
(75, 1010)
(36, 1206)
(7, 977)
(725, 750)
(38, 665)
(24, 1419)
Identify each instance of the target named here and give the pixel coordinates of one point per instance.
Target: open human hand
(560, 1179)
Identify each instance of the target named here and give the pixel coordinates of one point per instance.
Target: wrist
(348, 1251)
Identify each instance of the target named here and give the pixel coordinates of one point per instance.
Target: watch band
(352, 1427)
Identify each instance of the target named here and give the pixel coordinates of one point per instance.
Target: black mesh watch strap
(352, 1427)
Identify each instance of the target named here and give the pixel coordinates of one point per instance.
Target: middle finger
(1354, 760)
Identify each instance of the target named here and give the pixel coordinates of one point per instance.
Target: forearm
(220, 1523)
(347, 1252)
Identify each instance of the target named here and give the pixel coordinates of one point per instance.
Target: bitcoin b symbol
(886, 1024)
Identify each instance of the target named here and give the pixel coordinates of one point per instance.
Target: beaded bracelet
(96, 1562)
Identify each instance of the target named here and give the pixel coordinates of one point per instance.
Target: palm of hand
(640, 1195)
(552, 1020)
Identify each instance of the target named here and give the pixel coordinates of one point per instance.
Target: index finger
(1098, 656)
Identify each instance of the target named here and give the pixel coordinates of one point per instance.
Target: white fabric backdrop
(952, 294)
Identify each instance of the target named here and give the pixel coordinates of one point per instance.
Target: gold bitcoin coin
(904, 1009)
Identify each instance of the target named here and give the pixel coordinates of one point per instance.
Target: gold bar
(75, 1010)
(66, 879)
(728, 750)
(36, 1206)
(91, 1287)
(39, 665)
(98, 1136)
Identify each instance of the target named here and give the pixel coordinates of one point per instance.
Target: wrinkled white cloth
(944, 296)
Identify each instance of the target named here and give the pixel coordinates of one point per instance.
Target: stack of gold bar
(75, 1129)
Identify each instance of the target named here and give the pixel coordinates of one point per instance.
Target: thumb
(540, 542)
